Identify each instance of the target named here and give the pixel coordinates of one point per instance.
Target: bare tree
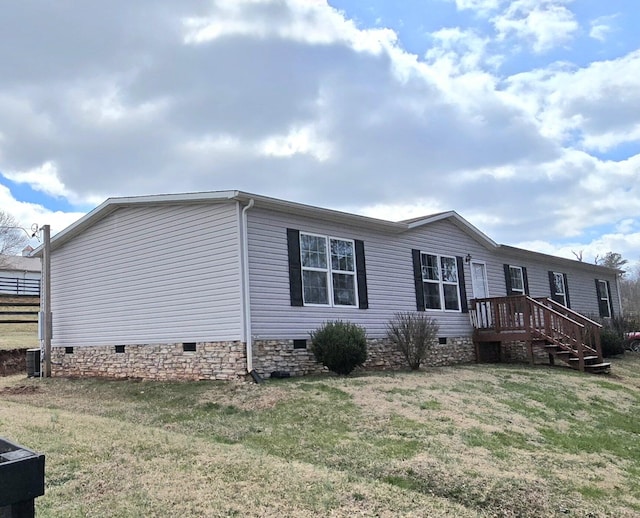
(12, 238)
(578, 254)
(630, 293)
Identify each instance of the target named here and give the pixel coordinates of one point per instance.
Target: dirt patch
(20, 389)
(13, 361)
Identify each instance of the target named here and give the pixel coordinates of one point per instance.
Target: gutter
(245, 288)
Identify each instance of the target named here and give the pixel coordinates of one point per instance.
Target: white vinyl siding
(580, 280)
(389, 267)
(150, 274)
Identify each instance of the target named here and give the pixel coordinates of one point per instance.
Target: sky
(523, 116)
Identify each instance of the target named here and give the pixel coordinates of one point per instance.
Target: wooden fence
(19, 309)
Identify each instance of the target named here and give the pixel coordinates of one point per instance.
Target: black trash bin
(21, 479)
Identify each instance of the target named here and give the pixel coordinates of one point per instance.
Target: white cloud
(28, 214)
(544, 24)
(601, 27)
(289, 98)
(594, 106)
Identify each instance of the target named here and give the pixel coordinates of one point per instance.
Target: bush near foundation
(413, 334)
(339, 346)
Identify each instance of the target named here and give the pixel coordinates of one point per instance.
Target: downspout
(245, 287)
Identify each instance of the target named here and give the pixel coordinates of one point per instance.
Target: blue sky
(523, 115)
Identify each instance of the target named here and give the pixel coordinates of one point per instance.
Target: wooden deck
(543, 323)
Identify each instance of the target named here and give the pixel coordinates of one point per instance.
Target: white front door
(481, 291)
(479, 280)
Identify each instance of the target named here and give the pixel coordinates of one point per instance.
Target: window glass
(432, 295)
(315, 287)
(344, 290)
(430, 270)
(342, 255)
(313, 251)
(449, 269)
(451, 297)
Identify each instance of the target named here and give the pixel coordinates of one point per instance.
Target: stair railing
(591, 333)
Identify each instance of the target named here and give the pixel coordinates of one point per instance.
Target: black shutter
(507, 279)
(525, 280)
(552, 287)
(464, 305)
(417, 277)
(295, 267)
(361, 273)
(566, 290)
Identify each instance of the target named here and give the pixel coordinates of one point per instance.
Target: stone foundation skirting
(209, 361)
(281, 355)
(227, 360)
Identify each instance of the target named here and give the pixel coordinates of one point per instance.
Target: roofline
(112, 204)
(459, 221)
(572, 262)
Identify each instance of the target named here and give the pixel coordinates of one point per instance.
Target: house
(19, 275)
(214, 285)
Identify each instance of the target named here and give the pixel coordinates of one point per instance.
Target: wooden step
(586, 359)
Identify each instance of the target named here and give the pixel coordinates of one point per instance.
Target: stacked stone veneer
(210, 360)
(227, 361)
(279, 355)
(517, 352)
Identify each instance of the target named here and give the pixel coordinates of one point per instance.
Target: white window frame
(329, 271)
(441, 283)
(564, 287)
(517, 290)
(604, 294)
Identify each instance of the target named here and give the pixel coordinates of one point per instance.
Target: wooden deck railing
(527, 319)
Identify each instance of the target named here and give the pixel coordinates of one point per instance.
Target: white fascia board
(461, 223)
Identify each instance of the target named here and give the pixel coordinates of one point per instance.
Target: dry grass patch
(467, 441)
(18, 336)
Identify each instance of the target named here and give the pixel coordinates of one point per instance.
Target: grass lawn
(18, 336)
(477, 440)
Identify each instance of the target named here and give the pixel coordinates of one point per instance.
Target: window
(558, 287)
(515, 278)
(604, 298)
(328, 270)
(440, 282)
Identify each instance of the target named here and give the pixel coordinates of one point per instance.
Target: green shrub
(413, 334)
(339, 346)
(612, 341)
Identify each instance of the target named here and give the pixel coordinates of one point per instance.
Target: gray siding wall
(580, 280)
(159, 274)
(389, 275)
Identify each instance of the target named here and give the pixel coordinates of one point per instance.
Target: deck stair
(541, 323)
